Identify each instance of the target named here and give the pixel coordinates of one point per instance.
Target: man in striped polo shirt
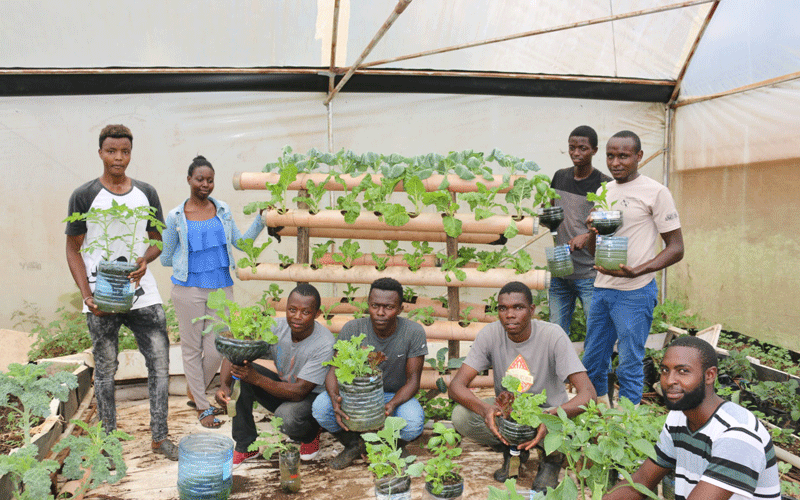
(717, 449)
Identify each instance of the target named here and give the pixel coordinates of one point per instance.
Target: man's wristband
(87, 298)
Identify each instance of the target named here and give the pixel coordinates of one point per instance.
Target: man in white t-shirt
(718, 449)
(623, 299)
(146, 317)
(537, 353)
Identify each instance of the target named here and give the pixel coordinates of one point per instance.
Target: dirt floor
(152, 477)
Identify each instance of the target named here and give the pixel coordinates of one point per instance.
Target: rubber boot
(501, 474)
(547, 475)
(402, 443)
(353, 448)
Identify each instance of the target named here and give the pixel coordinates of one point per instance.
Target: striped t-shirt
(733, 451)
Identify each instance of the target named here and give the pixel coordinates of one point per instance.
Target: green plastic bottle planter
(611, 251)
(559, 261)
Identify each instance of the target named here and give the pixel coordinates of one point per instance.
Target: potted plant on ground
(118, 223)
(442, 478)
(393, 473)
(288, 454)
(360, 383)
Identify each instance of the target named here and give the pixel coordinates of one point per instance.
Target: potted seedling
(521, 412)
(360, 383)
(604, 218)
(442, 478)
(393, 473)
(242, 333)
(288, 454)
(117, 240)
(550, 217)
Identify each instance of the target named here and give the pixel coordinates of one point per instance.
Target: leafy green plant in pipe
(350, 251)
(442, 365)
(252, 251)
(417, 257)
(422, 314)
(482, 203)
(315, 195)
(451, 267)
(318, 251)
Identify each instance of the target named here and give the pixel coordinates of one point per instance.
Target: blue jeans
(562, 296)
(625, 316)
(410, 411)
(149, 327)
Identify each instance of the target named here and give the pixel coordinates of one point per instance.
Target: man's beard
(689, 401)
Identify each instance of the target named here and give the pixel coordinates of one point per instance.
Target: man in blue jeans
(572, 184)
(405, 346)
(624, 298)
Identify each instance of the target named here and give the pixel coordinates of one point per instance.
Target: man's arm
(150, 255)
(223, 395)
(289, 391)
(78, 270)
(332, 386)
(649, 475)
(672, 253)
(460, 393)
(413, 375)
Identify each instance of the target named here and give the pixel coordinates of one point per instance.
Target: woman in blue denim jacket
(197, 245)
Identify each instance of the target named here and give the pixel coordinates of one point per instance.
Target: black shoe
(353, 448)
(501, 474)
(547, 475)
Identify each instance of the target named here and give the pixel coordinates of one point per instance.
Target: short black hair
(517, 287)
(117, 132)
(586, 131)
(627, 134)
(307, 290)
(708, 356)
(199, 161)
(388, 284)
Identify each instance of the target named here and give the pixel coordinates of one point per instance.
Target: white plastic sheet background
(48, 147)
(736, 183)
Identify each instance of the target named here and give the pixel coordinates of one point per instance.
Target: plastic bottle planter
(449, 491)
(362, 401)
(611, 251)
(551, 218)
(607, 222)
(205, 462)
(289, 463)
(668, 486)
(113, 291)
(559, 261)
(515, 433)
(393, 488)
(238, 351)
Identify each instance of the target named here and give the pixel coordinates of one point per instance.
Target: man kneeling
(404, 344)
(537, 353)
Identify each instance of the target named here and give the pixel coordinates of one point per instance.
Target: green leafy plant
(392, 247)
(252, 251)
(790, 488)
(445, 204)
(524, 408)
(380, 262)
(417, 257)
(118, 214)
(34, 389)
(272, 440)
(424, 315)
(327, 312)
(384, 454)
(544, 194)
(521, 262)
(93, 456)
(347, 203)
(464, 318)
(286, 260)
(522, 190)
(415, 189)
(350, 292)
(288, 174)
(672, 313)
(243, 323)
(600, 442)
(510, 493)
(318, 251)
(350, 251)
(442, 365)
(441, 299)
(736, 365)
(441, 469)
(273, 293)
(600, 200)
(512, 163)
(482, 203)
(315, 194)
(492, 259)
(451, 267)
(436, 407)
(30, 477)
(67, 334)
(491, 304)
(361, 308)
(351, 359)
(782, 395)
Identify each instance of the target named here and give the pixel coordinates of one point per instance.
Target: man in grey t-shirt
(405, 346)
(303, 345)
(537, 353)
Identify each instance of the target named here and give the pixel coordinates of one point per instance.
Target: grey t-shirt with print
(543, 362)
(302, 360)
(407, 341)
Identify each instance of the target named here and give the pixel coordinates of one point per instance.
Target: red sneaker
(309, 451)
(239, 457)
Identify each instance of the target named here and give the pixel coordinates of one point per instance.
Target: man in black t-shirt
(572, 184)
(146, 317)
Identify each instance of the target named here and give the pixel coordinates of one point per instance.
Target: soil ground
(153, 477)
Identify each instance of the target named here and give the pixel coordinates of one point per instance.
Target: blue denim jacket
(175, 252)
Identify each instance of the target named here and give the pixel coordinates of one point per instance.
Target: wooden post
(303, 240)
(453, 303)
